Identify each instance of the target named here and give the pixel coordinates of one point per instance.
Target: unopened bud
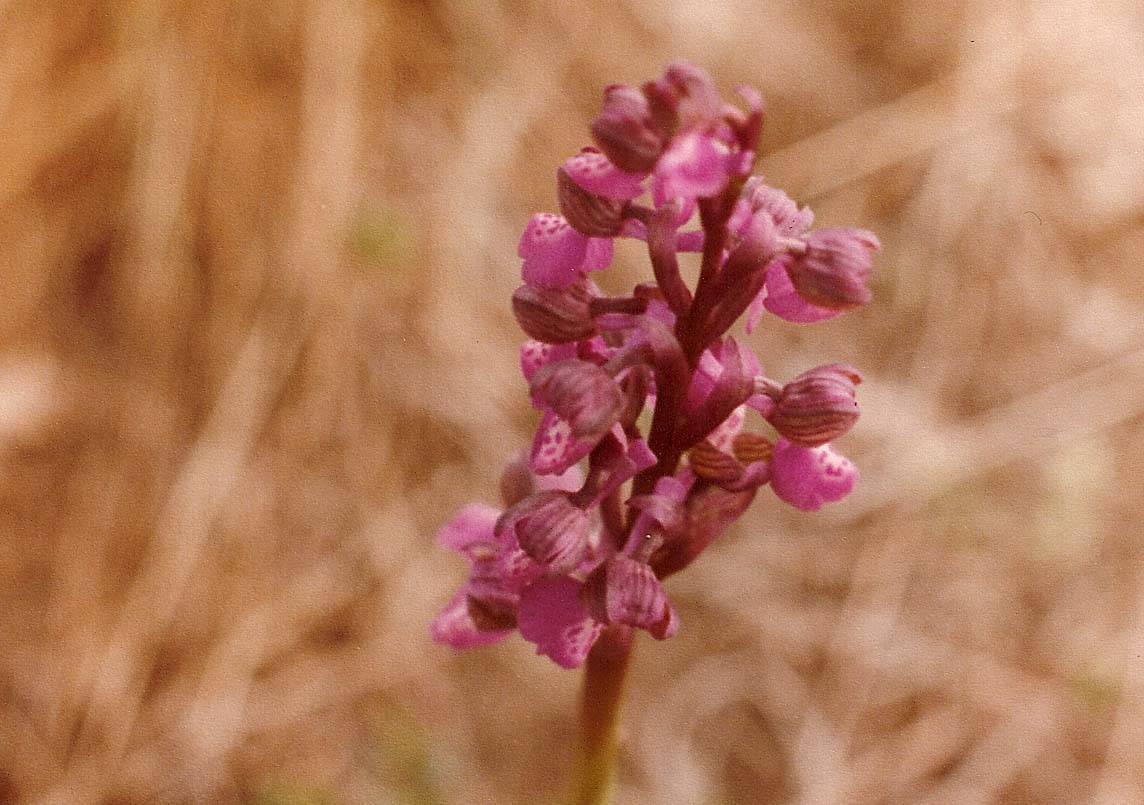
(624, 590)
(817, 406)
(625, 131)
(685, 98)
(555, 315)
(833, 271)
(590, 214)
(581, 393)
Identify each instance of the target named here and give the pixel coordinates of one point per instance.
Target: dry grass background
(256, 348)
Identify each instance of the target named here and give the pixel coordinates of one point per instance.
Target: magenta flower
(625, 590)
(833, 271)
(647, 447)
(472, 534)
(674, 129)
(808, 277)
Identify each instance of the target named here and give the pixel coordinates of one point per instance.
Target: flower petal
(535, 354)
(455, 627)
(694, 165)
(599, 254)
(594, 172)
(556, 255)
(552, 616)
(470, 532)
(807, 477)
(555, 450)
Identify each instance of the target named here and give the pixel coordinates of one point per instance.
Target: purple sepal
(625, 590)
(582, 394)
(833, 271)
(626, 130)
(817, 406)
(551, 530)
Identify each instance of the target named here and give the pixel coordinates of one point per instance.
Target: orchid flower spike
(648, 446)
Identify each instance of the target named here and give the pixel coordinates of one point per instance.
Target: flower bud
(625, 131)
(684, 99)
(551, 529)
(624, 590)
(589, 214)
(555, 315)
(581, 393)
(833, 271)
(817, 406)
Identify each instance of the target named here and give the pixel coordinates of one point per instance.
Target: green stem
(602, 697)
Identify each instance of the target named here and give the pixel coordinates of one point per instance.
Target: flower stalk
(601, 701)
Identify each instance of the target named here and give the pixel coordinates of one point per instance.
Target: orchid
(599, 512)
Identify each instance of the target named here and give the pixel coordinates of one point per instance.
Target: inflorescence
(577, 549)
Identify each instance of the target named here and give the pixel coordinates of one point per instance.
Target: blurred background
(255, 348)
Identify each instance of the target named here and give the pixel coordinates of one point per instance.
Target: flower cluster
(596, 514)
